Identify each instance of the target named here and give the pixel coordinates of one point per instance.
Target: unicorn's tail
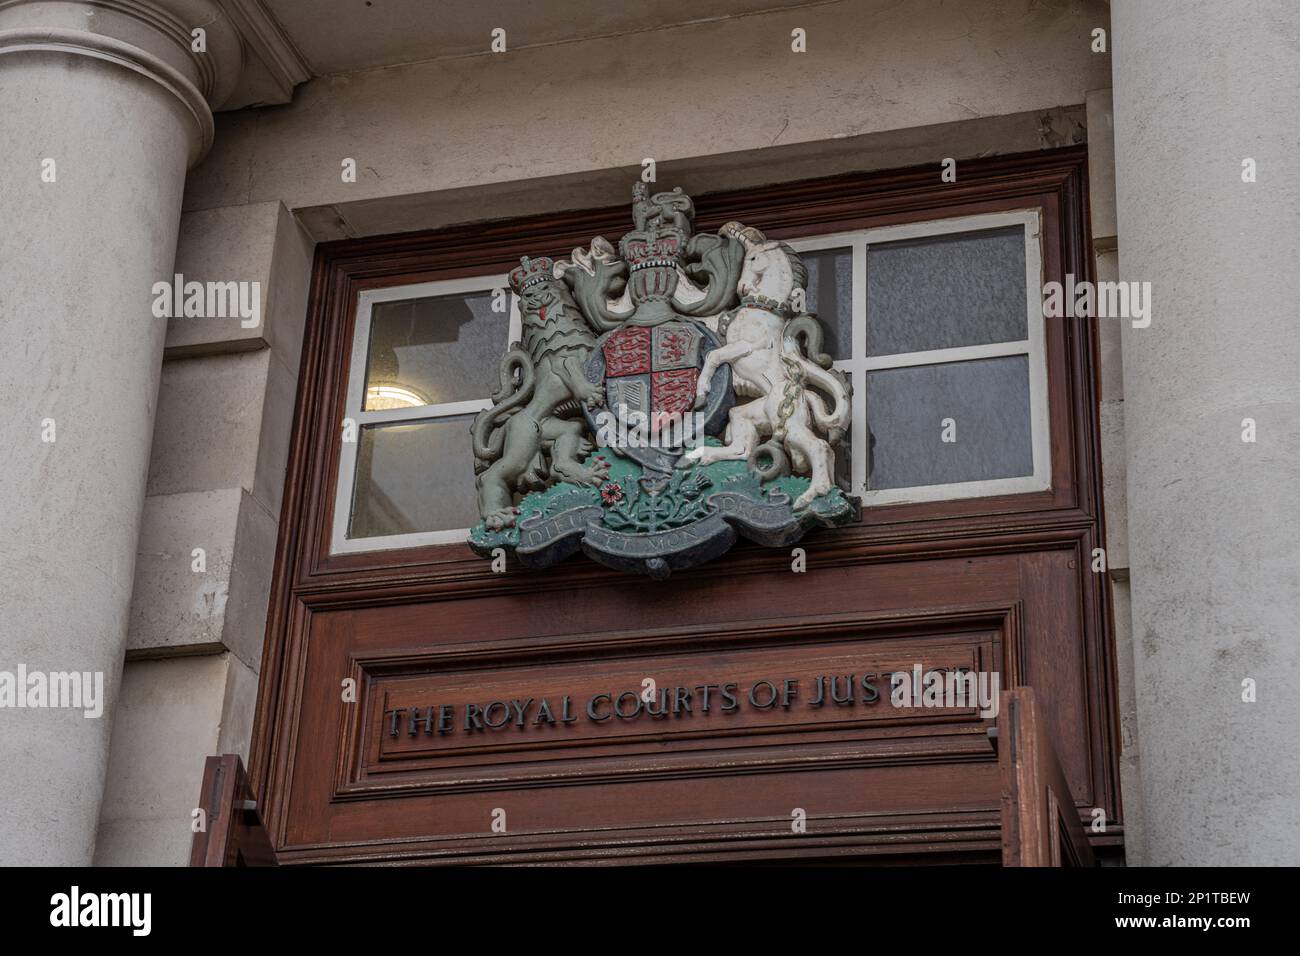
(834, 421)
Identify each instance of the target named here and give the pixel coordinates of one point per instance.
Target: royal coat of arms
(665, 398)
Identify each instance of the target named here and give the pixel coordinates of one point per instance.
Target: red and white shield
(653, 370)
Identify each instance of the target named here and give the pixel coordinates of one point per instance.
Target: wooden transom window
(939, 325)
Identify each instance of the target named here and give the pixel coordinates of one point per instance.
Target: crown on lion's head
(531, 272)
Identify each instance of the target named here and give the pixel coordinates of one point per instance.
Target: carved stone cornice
(284, 66)
(150, 37)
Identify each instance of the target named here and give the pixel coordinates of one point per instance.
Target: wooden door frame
(1067, 516)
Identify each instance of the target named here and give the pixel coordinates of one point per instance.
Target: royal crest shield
(651, 377)
(665, 399)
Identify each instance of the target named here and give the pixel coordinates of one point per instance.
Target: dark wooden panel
(232, 834)
(1039, 825)
(358, 790)
(533, 715)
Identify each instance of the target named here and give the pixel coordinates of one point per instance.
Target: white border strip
(1035, 347)
(340, 543)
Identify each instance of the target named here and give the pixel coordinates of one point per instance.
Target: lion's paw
(580, 474)
(501, 519)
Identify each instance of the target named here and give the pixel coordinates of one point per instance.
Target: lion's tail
(486, 435)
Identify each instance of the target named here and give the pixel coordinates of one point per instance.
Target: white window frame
(1035, 347)
(340, 543)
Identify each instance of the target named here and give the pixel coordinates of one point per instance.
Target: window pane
(830, 297)
(988, 401)
(433, 350)
(414, 477)
(941, 292)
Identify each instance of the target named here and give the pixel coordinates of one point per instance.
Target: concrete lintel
(967, 139)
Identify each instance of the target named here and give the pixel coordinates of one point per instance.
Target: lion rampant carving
(534, 433)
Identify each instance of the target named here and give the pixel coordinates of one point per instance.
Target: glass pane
(988, 401)
(941, 292)
(433, 350)
(830, 297)
(417, 476)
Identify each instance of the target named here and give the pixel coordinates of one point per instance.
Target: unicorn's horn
(748, 235)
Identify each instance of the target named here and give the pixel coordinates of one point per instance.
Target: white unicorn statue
(760, 341)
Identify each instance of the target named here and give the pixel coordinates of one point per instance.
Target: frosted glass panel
(414, 477)
(942, 292)
(433, 350)
(988, 400)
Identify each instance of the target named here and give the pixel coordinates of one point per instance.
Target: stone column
(1214, 520)
(103, 107)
